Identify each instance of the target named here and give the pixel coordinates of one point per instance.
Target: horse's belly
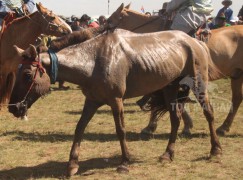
(147, 84)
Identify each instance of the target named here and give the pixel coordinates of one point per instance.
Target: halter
(40, 68)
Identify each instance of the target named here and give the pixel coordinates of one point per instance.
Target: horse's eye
(27, 77)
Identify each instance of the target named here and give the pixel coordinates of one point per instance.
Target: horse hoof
(147, 131)
(186, 132)
(222, 131)
(72, 170)
(24, 118)
(165, 158)
(216, 152)
(122, 169)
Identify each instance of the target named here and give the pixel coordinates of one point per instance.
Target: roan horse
(225, 45)
(22, 32)
(112, 67)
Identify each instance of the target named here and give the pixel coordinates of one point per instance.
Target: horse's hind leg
(118, 114)
(201, 94)
(88, 111)
(237, 95)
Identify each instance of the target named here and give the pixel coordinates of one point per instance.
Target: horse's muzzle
(19, 109)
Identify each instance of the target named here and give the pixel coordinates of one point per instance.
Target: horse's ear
(120, 8)
(32, 51)
(18, 51)
(39, 7)
(128, 6)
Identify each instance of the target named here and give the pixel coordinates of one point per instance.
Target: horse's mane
(73, 38)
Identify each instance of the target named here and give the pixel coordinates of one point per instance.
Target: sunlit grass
(39, 148)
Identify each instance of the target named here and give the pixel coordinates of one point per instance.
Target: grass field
(39, 148)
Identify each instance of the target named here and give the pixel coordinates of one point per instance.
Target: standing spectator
(228, 12)
(148, 13)
(102, 20)
(189, 15)
(69, 21)
(220, 22)
(88, 21)
(234, 21)
(75, 24)
(240, 14)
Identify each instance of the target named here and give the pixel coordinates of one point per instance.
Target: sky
(100, 7)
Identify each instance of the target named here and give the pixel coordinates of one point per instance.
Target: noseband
(51, 24)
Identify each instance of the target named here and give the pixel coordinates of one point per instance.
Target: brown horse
(225, 48)
(112, 67)
(22, 32)
(131, 20)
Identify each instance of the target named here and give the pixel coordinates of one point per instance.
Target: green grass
(39, 148)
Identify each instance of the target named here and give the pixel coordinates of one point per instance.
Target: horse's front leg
(89, 110)
(170, 94)
(118, 114)
(237, 95)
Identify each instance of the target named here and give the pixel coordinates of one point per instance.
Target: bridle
(50, 25)
(40, 68)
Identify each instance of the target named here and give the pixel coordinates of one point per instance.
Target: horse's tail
(157, 103)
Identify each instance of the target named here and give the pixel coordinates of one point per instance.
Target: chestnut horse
(225, 45)
(115, 66)
(22, 32)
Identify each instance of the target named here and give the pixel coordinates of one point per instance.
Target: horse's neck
(75, 38)
(21, 32)
(140, 24)
(74, 67)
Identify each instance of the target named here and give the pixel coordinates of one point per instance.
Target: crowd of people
(84, 21)
(225, 16)
(188, 17)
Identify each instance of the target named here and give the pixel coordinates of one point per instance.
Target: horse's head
(51, 23)
(117, 17)
(131, 20)
(32, 82)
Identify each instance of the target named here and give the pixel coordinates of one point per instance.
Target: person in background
(148, 13)
(189, 15)
(240, 15)
(76, 24)
(234, 21)
(228, 12)
(69, 21)
(18, 6)
(102, 20)
(220, 22)
(85, 19)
